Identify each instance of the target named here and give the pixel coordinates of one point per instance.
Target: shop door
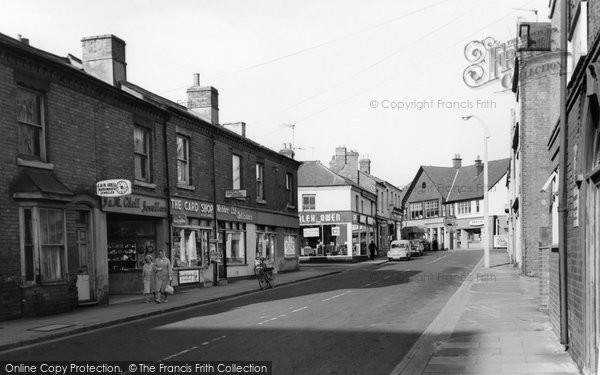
(86, 273)
(451, 239)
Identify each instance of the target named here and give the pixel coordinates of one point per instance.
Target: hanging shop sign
(136, 205)
(335, 231)
(113, 188)
(180, 219)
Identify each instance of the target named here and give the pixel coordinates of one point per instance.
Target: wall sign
(113, 188)
(335, 231)
(476, 223)
(135, 205)
(310, 232)
(192, 208)
(326, 217)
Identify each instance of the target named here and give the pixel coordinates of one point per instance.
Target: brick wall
(539, 97)
(544, 276)
(554, 292)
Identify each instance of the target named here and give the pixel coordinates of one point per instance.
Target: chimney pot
(196, 79)
(457, 161)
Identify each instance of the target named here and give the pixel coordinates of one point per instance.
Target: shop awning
(413, 229)
(35, 183)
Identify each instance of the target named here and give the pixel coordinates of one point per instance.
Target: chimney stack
(457, 161)
(23, 40)
(289, 152)
(237, 127)
(478, 165)
(104, 58)
(204, 101)
(365, 165)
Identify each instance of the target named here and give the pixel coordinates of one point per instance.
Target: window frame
(416, 210)
(260, 182)
(37, 246)
(147, 133)
(185, 161)
(464, 208)
(289, 187)
(308, 206)
(431, 208)
(41, 108)
(236, 185)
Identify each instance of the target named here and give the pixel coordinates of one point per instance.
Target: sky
(382, 77)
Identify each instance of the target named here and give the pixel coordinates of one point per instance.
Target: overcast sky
(322, 65)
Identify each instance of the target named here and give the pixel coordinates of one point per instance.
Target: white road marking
(178, 354)
(213, 340)
(435, 260)
(336, 296)
(300, 309)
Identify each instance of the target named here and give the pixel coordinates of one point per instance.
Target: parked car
(399, 249)
(416, 247)
(426, 244)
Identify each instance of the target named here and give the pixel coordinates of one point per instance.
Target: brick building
(389, 197)
(69, 123)
(445, 204)
(582, 218)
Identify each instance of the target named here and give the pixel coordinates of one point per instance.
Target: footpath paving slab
(26, 331)
(493, 326)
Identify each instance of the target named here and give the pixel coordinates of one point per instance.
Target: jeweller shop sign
(113, 188)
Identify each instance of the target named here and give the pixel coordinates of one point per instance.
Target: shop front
(468, 233)
(136, 226)
(192, 226)
(435, 233)
(335, 235)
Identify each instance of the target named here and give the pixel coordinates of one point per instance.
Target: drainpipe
(562, 208)
(168, 187)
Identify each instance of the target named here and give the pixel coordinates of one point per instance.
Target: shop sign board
(235, 193)
(233, 213)
(136, 205)
(335, 231)
(192, 208)
(180, 219)
(189, 276)
(324, 217)
(476, 223)
(215, 255)
(310, 232)
(113, 188)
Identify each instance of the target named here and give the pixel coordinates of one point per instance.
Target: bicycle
(264, 274)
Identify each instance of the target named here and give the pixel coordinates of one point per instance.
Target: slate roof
(313, 173)
(442, 178)
(469, 184)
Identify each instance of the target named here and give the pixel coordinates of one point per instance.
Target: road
(360, 321)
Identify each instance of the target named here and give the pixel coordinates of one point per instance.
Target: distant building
(389, 197)
(446, 204)
(337, 216)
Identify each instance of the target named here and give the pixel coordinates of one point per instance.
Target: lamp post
(486, 226)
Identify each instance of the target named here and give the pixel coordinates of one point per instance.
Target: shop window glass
(265, 245)
(129, 241)
(183, 160)
(31, 123)
(235, 247)
(141, 139)
(189, 245)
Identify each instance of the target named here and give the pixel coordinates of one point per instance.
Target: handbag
(169, 289)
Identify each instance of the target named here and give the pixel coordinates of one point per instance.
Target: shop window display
(233, 235)
(190, 247)
(129, 242)
(265, 242)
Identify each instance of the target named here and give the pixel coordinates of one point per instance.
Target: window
(141, 139)
(476, 206)
(444, 210)
(451, 209)
(265, 242)
(83, 241)
(30, 115)
(308, 202)
(432, 208)
(234, 237)
(362, 206)
(356, 203)
(183, 160)
(236, 162)
(289, 188)
(416, 211)
(260, 182)
(43, 244)
(464, 207)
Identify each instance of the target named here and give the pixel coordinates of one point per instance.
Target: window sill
(35, 164)
(290, 207)
(185, 186)
(148, 185)
(261, 201)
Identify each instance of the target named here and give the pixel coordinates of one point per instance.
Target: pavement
(491, 325)
(125, 308)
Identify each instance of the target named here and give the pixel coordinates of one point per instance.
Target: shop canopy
(33, 183)
(413, 229)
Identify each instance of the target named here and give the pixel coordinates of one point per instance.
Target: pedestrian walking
(372, 249)
(163, 276)
(149, 275)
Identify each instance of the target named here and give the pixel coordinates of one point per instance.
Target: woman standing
(149, 273)
(163, 276)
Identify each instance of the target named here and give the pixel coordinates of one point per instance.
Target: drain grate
(51, 327)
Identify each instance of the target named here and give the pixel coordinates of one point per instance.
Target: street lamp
(486, 226)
